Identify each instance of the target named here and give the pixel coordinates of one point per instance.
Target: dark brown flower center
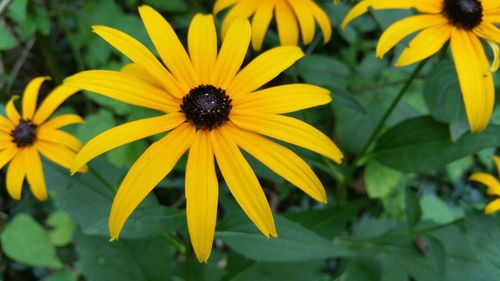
(465, 14)
(24, 134)
(206, 106)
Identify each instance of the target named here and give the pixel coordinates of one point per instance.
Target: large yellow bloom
(290, 15)
(462, 22)
(493, 186)
(23, 137)
(211, 109)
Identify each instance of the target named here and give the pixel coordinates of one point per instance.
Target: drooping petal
(124, 134)
(62, 121)
(52, 102)
(323, 21)
(492, 207)
(289, 130)
(282, 99)
(169, 47)
(260, 22)
(305, 18)
(153, 165)
(138, 72)
(232, 53)
(7, 154)
(125, 88)
(403, 28)
(11, 111)
(281, 160)
(30, 96)
(34, 173)
(60, 137)
(201, 195)
(222, 4)
(242, 10)
(477, 87)
(490, 181)
(202, 41)
(242, 182)
(288, 29)
(58, 154)
(139, 54)
(425, 44)
(15, 176)
(263, 69)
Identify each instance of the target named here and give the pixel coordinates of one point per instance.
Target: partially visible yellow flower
(213, 109)
(463, 23)
(24, 137)
(290, 16)
(493, 185)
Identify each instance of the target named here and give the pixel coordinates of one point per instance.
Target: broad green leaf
(423, 145)
(25, 241)
(65, 275)
(17, 10)
(413, 210)
(292, 271)
(436, 210)
(62, 228)
(323, 70)
(294, 242)
(169, 6)
(382, 181)
(7, 40)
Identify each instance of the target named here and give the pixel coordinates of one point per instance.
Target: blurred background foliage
(403, 211)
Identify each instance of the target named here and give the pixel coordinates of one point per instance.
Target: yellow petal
(305, 18)
(492, 207)
(52, 102)
(125, 88)
(15, 176)
(260, 22)
(232, 53)
(6, 140)
(6, 125)
(59, 137)
(30, 96)
(62, 121)
(222, 4)
(323, 21)
(169, 47)
(405, 27)
(138, 72)
(34, 173)
(282, 99)
(202, 41)
(497, 164)
(491, 182)
(153, 165)
(289, 130)
(124, 134)
(242, 10)
(489, 5)
(425, 44)
(201, 195)
(488, 31)
(11, 111)
(288, 30)
(139, 54)
(7, 154)
(281, 160)
(477, 88)
(242, 181)
(58, 154)
(263, 69)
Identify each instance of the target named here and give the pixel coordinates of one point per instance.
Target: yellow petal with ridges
(6, 125)
(7, 153)
(52, 102)
(323, 21)
(62, 121)
(138, 72)
(153, 165)
(242, 10)
(34, 173)
(260, 23)
(202, 192)
(288, 29)
(30, 97)
(15, 176)
(60, 137)
(305, 18)
(202, 41)
(58, 154)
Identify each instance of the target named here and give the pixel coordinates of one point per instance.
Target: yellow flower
(212, 109)
(493, 186)
(463, 23)
(23, 137)
(290, 15)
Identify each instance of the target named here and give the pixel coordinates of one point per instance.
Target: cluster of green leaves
(400, 208)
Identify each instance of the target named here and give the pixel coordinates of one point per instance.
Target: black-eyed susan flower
(24, 137)
(461, 22)
(211, 108)
(493, 186)
(292, 17)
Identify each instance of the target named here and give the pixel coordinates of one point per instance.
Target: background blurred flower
(212, 109)
(290, 16)
(493, 186)
(23, 137)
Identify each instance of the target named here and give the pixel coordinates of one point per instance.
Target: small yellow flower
(463, 23)
(212, 109)
(290, 16)
(493, 185)
(23, 137)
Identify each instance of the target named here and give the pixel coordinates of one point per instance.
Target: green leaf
(63, 227)
(423, 145)
(436, 210)
(25, 241)
(65, 275)
(295, 271)
(381, 181)
(124, 260)
(17, 10)
(323, 71)
(294, 242)
(169, 6)
(7, 40)
(413, 211)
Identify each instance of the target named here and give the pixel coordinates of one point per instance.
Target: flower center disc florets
(24, 134)
(465, 14)
(206, 106)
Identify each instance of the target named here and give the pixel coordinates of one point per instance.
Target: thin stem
(174, 241)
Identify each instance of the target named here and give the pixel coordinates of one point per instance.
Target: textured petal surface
(34, 173)
(242, 10)
(52, 102)
(323, 21)
(288, 29)
(138, 72)
(60, 137)
(305, 18)
(15, 176)
(58, 154)
(30, 96)
(202, 41)
(62, 121)
(261, 21)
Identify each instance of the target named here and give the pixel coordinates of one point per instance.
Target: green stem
(172, 239)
